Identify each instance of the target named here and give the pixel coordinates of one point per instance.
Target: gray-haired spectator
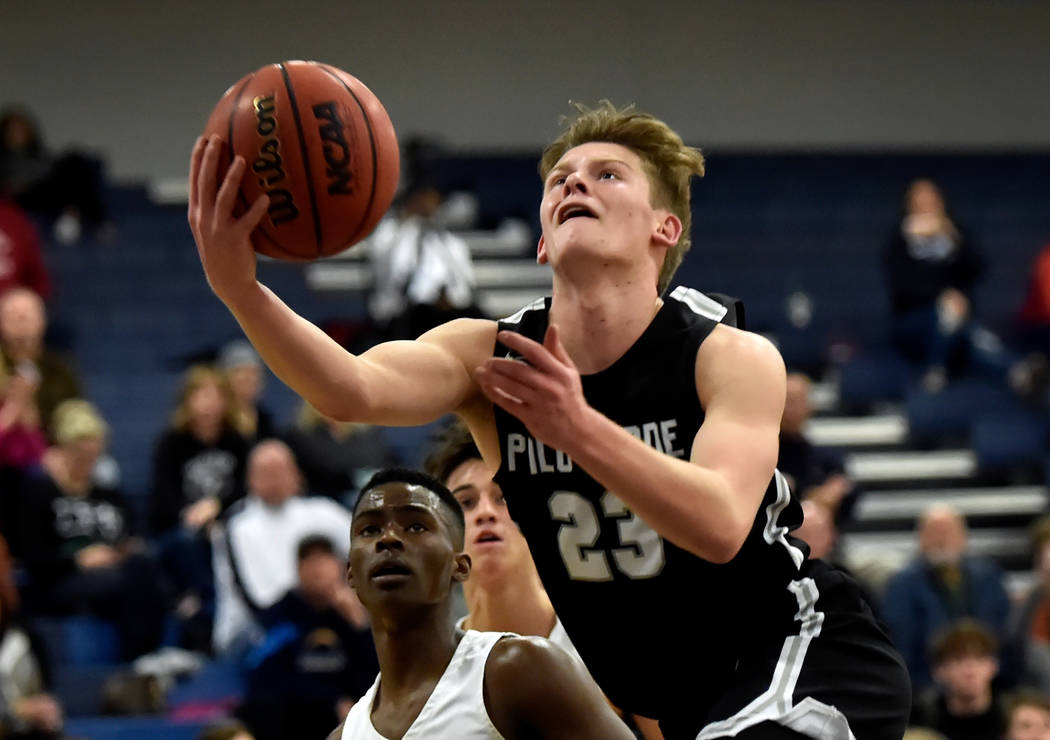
(941, 585)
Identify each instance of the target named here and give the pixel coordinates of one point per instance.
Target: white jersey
(558, 636)
(456, 707)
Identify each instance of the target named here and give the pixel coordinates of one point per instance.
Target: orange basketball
(321, 145)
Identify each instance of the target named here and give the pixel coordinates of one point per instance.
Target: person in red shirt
(21, 262)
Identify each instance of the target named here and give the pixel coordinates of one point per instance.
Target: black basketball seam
(306, 157)
(240, 193)
(371, 142)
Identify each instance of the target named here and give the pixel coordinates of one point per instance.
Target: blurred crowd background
(175, 520)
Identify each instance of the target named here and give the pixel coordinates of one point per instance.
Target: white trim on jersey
(810, 717)
(700, 303)
(775, 532)
(537, 305)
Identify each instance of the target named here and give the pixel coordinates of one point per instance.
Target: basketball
(319, 143)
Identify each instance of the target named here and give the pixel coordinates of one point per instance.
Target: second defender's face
(400, 548)
(1029, 723)
(599, 195)
(492, 538)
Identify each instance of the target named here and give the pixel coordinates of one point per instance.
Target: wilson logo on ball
(320, 145)
(268, 164)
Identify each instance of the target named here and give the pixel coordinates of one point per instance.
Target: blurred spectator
(940, 586)
(1028, 716)
(226, 730)
(317, 658)
(423, 273)
(813, 472)
(932, 271)
(23, 321)
(27, 711)
(1034, 316)
(336, 457)
(199, 461)
(254, 552)
(243, 369)
(64, 190)
(1029, 634)
(76, 541)
(198, 468)
(21, 263)
(964, 705)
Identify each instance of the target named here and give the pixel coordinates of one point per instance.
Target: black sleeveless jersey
(659, 628)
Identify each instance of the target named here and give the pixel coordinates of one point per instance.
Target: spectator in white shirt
(423, 274)
(255, 551)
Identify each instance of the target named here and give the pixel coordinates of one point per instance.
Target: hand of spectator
(343, 707)
(201, 513)
(831, 492)
(17, 405)
(345, 601)
(953, 306)
(97, 556)
(42, 712)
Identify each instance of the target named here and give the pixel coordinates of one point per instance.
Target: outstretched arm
(534, 689)
(399, 383)
(705, 504)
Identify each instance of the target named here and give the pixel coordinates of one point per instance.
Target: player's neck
(599, 322)
(414, 652)
(509, 603)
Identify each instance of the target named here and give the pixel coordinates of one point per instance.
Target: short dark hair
(1025, 698)
(963, 638)
(416, 478)
(452, 447)
(312, 543)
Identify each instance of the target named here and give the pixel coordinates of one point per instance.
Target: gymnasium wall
(136, 79)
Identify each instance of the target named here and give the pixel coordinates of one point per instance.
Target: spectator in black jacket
(932, 270)
(317, 658)
(77, 544)
(198, 472)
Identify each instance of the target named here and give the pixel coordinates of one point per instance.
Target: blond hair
(668, 162)
(75, 419)
(198, 376)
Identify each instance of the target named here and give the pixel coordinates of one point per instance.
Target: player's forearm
(689, 505)
(299, 353)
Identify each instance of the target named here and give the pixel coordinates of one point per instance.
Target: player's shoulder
(515, 658)
(462, 332)
(741, 349)
(337, 733)
(470, 340)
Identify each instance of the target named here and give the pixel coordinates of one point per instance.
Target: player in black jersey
(635, 438)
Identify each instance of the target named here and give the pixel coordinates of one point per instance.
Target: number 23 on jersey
(640, 553)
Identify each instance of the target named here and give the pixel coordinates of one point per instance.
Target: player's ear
(350, 575)
(668, 230)
(460, 567)
(541, 251)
